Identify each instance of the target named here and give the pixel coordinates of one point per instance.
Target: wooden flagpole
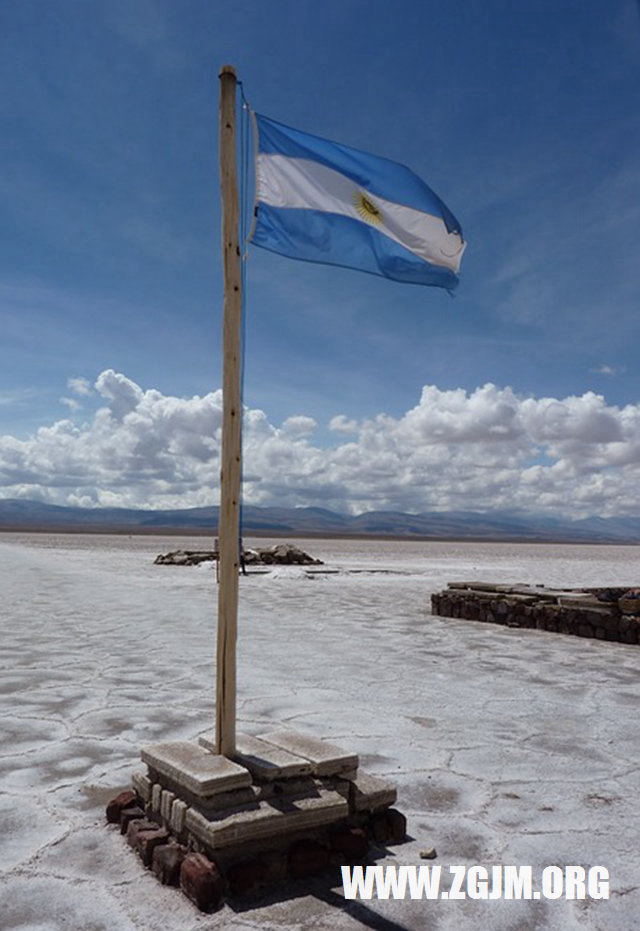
(231, 456)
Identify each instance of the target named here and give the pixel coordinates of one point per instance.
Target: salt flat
(507, 746)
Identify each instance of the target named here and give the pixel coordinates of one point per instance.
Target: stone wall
(603, 613)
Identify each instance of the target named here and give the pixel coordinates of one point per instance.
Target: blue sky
(522, 117)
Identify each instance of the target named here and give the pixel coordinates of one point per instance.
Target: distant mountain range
(16, 514)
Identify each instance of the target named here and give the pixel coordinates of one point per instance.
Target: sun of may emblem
(366, 208)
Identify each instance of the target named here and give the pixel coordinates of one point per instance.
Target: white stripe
(303, 183)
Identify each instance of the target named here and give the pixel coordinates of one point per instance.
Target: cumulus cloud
(342, 424)
(482, 450)
(299, 425)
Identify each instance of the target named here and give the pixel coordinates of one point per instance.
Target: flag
(321, 201)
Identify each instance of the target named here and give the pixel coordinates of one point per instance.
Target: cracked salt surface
(507, 746)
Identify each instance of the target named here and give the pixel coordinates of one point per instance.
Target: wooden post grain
(231, 456)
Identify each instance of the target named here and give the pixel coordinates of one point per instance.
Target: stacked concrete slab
(287, 805)
(603, 613)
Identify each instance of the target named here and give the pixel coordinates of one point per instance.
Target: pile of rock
(185, 558)
(604, 613)
(288, 806)
(282, 554)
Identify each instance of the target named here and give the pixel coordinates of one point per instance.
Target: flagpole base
(288, 806)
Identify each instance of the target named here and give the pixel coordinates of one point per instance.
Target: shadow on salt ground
(325, 890)
(358, 910)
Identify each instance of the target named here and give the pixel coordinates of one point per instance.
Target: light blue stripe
(391, 180)
(332, 239)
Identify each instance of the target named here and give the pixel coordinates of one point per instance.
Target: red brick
(127, 815)
(126, 799)
(147, 841)
(135, 827)
(397, 826)
(306, 858)
(244, 876)
(201, 882)
(166, 863)
(352, 843)
(389, 826)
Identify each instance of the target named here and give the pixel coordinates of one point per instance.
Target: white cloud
(123, 393)
(16, 396)
(342, 424)
(483, 450)
(605, 369)
(298, 426)
(80, 386)
(71, 403)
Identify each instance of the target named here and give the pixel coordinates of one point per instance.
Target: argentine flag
(320, 201)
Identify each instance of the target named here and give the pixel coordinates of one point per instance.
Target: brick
(127, 815)
(379, 827)
(389, 827)
(307, 858)
(136, 826)
(397, 826)
(167, 862)
(246, 876)
(352, 843)
(201, 882)
(147, 841)
(125, 799)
